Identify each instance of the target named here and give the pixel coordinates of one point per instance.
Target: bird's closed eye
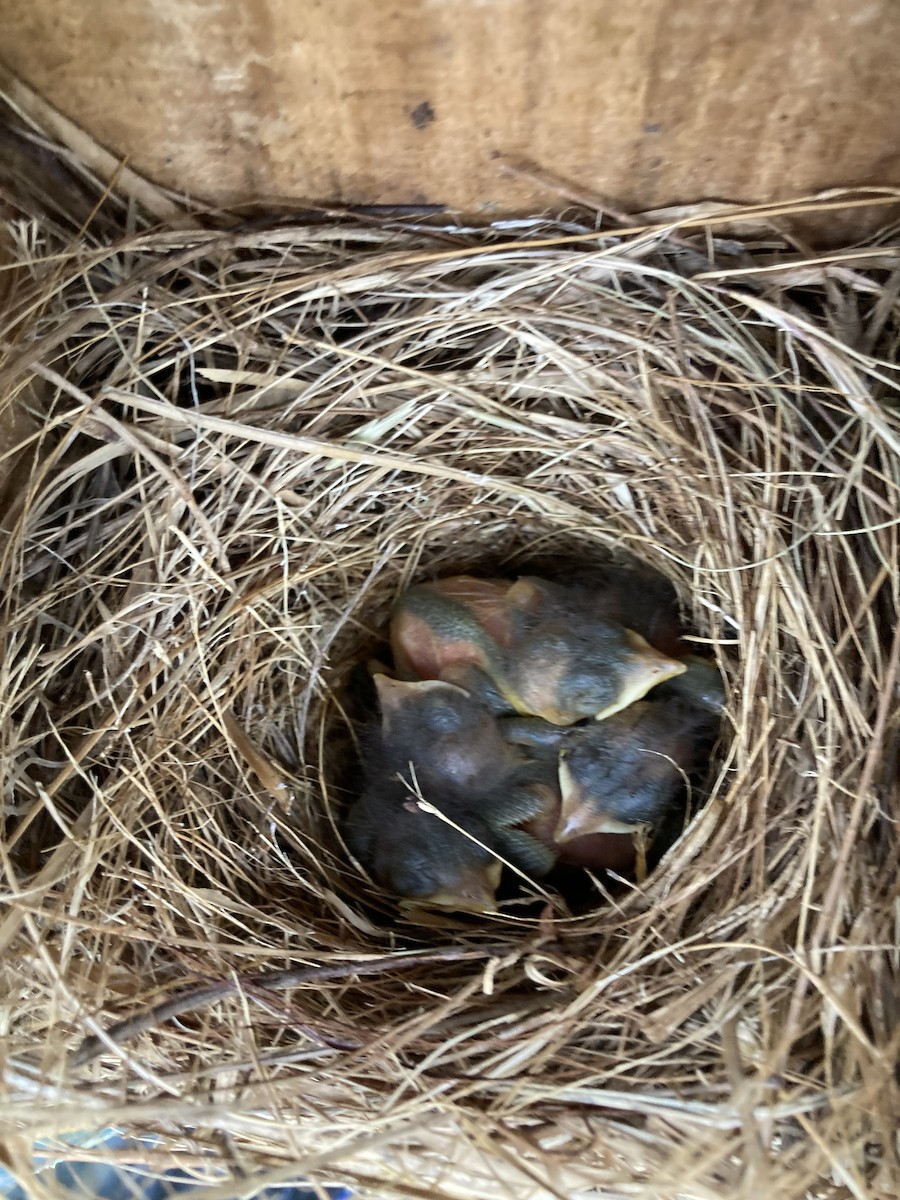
(443, 717)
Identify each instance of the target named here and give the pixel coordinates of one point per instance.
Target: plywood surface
(648, 102)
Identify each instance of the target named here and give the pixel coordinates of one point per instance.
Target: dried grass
(245, 438)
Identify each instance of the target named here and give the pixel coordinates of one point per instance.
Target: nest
(231, 441)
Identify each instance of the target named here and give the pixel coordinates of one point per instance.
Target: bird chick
(418, 856)
(565, 663)
(530, 813)
(527, 840)
(485, 600)
(436, 744)
(464, 765)
(632, 594)
(629, 770)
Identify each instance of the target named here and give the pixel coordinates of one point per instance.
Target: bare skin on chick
(455, 622)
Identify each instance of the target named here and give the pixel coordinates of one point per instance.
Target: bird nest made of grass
(229, 445)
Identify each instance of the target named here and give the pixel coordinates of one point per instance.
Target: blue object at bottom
(105, 1181)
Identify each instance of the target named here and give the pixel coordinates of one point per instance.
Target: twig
(198, 997)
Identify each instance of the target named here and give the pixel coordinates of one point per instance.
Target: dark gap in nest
(165, 366)
(348, 321)
(582, 891)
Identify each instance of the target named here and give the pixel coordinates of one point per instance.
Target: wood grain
(646, 103)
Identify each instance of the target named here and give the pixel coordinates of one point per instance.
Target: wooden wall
(646, 102)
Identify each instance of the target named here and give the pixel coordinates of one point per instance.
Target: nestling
(629, 770)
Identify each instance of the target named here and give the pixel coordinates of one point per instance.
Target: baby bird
(454, 630)
(463, 763)
(418, 856)
(630, 770)
(634, 595)
(567, 663)
(438, 744)
(528, 840)
(485, 600)
(533, 848)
